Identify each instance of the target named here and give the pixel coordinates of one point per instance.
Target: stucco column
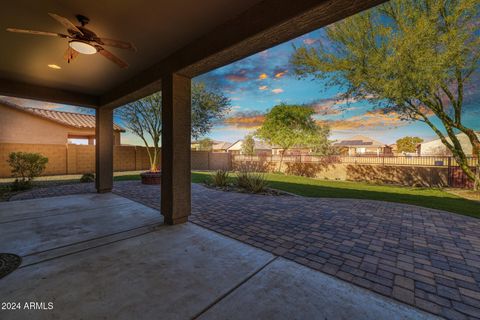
(176, 129)
(104, 150)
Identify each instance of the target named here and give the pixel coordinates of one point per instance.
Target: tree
(208, 106)
(248, 145)
(205, 144)
(144, 117)
(413, 57)
(408, 144)
(292, 125)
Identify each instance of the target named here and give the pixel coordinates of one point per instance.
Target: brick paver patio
(422, 257)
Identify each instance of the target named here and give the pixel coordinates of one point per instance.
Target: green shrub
(25, 167)
(219, 178)
(253, 182)
(242, 179)
(87, 177)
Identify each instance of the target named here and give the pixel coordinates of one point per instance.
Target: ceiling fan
(82, 40)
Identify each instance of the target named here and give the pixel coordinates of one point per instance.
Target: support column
(176, 131)
(104, 149)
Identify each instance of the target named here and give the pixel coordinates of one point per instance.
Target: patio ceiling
(186, 36)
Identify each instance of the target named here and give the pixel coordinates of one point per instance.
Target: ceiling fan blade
(117, 44)
(40, 33)
(70, 54)
(65, 22)
(110, 56)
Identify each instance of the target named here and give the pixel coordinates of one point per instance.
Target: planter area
(151, 177)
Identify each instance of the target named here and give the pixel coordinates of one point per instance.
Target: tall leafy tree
(208, 106)
(144, 117)
(290, 126)
(414, 57)
(248, 145)
(408, 144)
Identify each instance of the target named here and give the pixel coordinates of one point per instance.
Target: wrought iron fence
(422, 161)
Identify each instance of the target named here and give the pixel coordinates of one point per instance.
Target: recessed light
(54, 66)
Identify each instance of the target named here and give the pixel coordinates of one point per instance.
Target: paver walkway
(423, 257)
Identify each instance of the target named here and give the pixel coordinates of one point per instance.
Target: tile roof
(222, 146)
(72, 119)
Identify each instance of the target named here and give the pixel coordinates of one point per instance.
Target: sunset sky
(261, 81)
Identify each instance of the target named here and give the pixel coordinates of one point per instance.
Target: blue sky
(259, 82)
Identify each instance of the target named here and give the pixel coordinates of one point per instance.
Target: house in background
(437, 148)
(221, 146)
(261, 148)
(362, 146)
(217, 146)
(41, 126)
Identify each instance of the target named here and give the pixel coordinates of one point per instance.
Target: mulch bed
(234, 188)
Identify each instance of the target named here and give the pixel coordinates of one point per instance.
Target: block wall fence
(79, 159)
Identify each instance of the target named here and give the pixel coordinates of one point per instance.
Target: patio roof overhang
(188, 38)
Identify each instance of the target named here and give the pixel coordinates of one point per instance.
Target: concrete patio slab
(287, 290)
(172, 273)
(32, 226)
(40, 207)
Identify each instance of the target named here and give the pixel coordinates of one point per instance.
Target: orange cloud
(370, 119)
(277, 90)
(237, 77)
(245, 121)
(263, 87)
(262, 76)
(281, 74)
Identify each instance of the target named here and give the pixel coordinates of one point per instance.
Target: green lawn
(426, 197)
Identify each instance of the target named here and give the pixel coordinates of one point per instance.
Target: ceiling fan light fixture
(82, 47)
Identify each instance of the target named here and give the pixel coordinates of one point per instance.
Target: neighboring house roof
(460, 134)
(436, 146)
(221, 145)
(72, 119)
(216, 144)
(259, 145)
(213, 141)
(359, 141)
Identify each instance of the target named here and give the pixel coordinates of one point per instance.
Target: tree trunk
(281, 160)
(475, 142)
(476, 182)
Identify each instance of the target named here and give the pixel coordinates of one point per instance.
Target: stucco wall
(21, 127)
